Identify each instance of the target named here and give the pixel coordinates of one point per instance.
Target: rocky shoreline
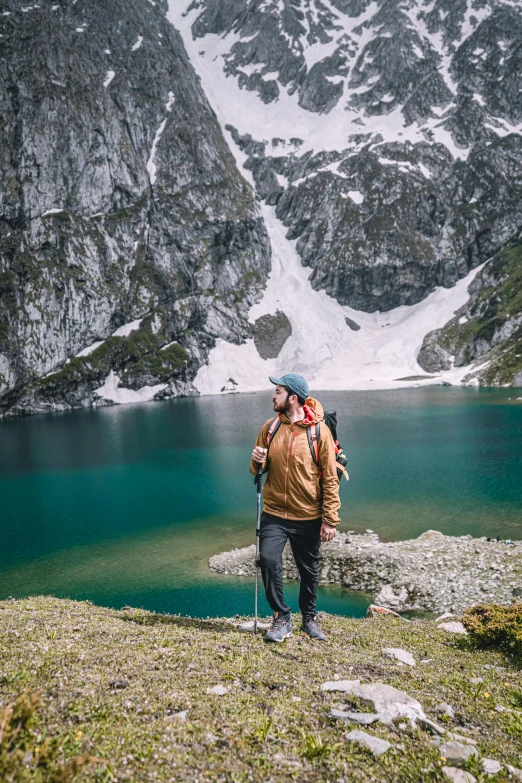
(433, 573)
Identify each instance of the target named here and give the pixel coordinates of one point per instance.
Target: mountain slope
(121, 206)
(387, 138)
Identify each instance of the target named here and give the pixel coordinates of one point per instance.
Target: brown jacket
(293, 489)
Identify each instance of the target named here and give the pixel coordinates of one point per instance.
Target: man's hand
(259, 454)
(327, 532)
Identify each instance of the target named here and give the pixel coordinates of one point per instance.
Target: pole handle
(259, 477)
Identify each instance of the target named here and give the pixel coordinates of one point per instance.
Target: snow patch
(126, 329)
(138, 43)
(170, 102)
(356, 196)
(151, 165)
(322, 347)
(110, 77)
(51, 212)
(112, 391)
(90, 348)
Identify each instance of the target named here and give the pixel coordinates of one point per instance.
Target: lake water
(124, 505)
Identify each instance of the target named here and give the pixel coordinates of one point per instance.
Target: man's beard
(283, 408)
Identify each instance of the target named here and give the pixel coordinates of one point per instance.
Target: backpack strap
(313, 441)
(274, 426)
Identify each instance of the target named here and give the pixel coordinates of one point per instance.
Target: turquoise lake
(124, 505)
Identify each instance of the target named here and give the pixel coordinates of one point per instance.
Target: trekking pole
(258, 482)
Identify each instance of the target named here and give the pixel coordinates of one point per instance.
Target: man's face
(281, 398)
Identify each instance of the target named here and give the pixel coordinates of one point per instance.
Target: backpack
(313, 432)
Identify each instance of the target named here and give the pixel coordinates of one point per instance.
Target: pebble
(459, 775)
(490, 766)
(218, 690)
(374, 744)
(476, 680)
(399, 655)
(456, 754)
(514, 772)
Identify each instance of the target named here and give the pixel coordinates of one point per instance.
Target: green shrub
(490, 625)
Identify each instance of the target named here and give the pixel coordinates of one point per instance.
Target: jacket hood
(313, 413)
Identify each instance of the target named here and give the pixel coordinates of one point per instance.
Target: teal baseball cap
(295, 382)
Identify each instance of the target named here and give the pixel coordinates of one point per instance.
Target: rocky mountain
(128, 238)
(387, 136)
(160, 158)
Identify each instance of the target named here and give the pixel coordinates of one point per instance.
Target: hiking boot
(311, 627)
(280, 629)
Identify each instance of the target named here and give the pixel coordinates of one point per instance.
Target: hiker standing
(300, 499)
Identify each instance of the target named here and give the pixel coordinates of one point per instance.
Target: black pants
(305, 541)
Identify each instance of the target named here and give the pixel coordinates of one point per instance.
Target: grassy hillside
(103, 689)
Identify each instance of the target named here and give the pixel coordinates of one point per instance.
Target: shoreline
(432, 573)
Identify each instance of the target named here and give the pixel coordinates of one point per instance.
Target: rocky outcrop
(270, 334)
(488, 329)
(434, 573)
(120, 202)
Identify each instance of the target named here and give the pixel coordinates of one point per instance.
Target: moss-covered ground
(110, 683)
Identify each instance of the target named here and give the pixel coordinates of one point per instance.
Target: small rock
(380, 611)
(218, 690)
(446, 709)
(363, 718)
(458, 775)
(431, 726)
(392, 599)
(249, 626)
(374, 744)
(182, 716)
(456, 754)
(118, 685)
(461, 738)
(514, 772)
(445, 616)
(453, 628)
(476, 680)
(490, 766)
(400, 655)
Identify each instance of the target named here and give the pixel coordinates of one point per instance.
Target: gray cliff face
(488, 329)
(120, 201)
(382, 220)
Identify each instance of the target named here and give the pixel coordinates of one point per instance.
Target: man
(300, 498)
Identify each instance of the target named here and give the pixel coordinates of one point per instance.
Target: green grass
(110, 683)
